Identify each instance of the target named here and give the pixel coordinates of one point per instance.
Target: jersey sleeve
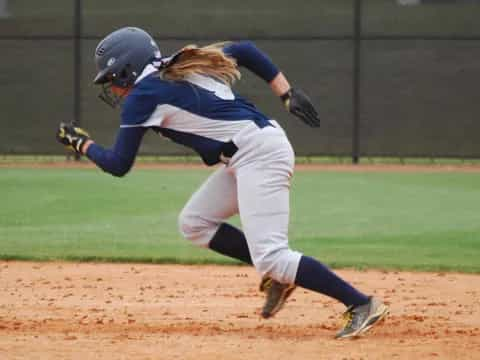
(120, 158)
(249, 56)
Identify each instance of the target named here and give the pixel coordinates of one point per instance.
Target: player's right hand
(300, 105)
(72, 137)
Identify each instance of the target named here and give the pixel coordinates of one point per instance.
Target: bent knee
(196, 229)
(279, 264)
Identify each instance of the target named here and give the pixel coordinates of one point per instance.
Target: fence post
(4, 13)
(357, 28)
(77, 65)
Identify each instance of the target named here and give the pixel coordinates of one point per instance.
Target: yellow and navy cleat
(276, 296)
(361, 318)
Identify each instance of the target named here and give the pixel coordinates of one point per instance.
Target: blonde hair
(209, 60)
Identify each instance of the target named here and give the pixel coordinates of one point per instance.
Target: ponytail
(208, 60)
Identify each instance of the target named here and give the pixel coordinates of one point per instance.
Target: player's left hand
(300, 105)
(72, 137)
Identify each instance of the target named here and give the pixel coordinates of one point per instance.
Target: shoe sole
(283, 299)
(373, 319)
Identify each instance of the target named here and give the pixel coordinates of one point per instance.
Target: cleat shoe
(277, 293)
(361, 318)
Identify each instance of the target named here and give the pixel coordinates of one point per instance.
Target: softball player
(187, 98)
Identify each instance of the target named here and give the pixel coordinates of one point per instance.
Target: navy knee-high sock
(313, 275)
(230, 241)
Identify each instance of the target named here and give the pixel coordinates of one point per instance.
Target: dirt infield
(125, 311)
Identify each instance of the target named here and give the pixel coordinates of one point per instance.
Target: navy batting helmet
(121, 57)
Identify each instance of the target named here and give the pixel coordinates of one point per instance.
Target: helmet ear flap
(125, 77)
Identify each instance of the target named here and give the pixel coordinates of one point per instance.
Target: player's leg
(263, 193)
(264, 210)
(202, 219)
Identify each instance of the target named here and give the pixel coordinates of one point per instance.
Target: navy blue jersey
(199, 112)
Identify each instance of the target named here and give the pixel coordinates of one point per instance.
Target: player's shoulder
(144, 98)
(152, 88)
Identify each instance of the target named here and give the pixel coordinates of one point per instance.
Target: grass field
(419, 221)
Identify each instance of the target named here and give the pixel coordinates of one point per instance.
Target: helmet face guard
(109, 97)
(108, 79)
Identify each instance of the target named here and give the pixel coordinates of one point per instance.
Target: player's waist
(254, 144)
(246, 136)
(230, 148)
(252, 130)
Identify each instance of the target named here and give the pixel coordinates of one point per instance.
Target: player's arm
(296, 101)
(118, 160)
(252, 58)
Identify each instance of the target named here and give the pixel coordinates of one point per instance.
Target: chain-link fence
(389, 77)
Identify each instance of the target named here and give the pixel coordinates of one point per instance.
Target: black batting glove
(300, 105)
(72, 137)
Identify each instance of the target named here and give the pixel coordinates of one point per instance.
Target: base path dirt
(126, 311)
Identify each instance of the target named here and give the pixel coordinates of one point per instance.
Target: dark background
(388, 80)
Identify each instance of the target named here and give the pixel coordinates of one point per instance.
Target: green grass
(194, 159)
(418, 221)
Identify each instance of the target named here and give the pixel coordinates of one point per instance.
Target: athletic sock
(230, 241)
(313, 275)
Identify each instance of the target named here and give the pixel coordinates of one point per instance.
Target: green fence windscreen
(417, 71)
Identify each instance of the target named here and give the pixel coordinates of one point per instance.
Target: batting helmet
(122, 55)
